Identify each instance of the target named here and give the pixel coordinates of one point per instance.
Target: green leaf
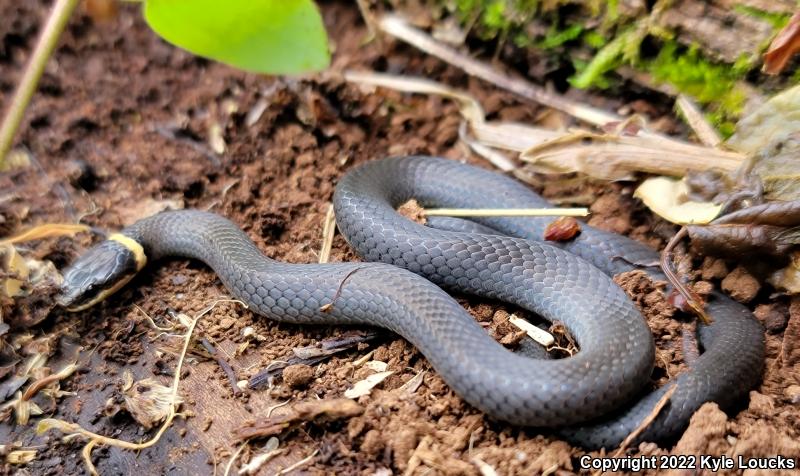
(265, 36)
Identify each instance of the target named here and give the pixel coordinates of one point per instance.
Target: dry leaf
(376, 365)
(737, 240)
(364, 387)
(788, 278)
(12, 264)
(331, 409)
(772, 213)
(769, 124)
(412, 385)
(48, 230)
(669, 198)
(785, 44)
(618, 157)
(779, 169)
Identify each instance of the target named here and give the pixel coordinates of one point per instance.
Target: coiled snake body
(588, 397)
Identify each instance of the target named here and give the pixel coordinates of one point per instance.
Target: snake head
(100, 272)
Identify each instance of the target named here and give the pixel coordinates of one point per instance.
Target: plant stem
(46, 44)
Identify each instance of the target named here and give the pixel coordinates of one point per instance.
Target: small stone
(741, 285)
(773, 316)
(298, 375)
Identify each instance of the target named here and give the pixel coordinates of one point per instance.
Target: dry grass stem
(694, 117)
(401, 29)
(507, 212)
(299, 464)
(328, 230)
(646, 422)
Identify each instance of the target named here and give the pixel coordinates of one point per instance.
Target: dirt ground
(119, 129)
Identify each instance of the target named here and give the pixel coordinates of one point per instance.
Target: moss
(617, 42)
(777, 20)
(709, 83)
(494, 17)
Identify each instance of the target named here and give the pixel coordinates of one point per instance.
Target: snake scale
(594, 398)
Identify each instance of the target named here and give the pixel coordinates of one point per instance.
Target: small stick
(298, 464)
(399, 28)
(224, 365)
(328, 230)
(46, 44)
(666, 266)
(705, 131)
(544, 338)
(646, 422)
(508, 212)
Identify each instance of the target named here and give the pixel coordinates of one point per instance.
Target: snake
(594, 399)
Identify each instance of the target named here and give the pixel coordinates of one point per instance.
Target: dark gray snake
(591, 397)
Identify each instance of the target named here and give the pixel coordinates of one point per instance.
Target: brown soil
(119, 130)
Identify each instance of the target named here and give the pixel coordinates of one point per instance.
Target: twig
(328, 230)
(705, 131)
(224, 365)
(327, 307)
(646, 422)
(300, 463)
(399, 28)
(46, 44)
(507, 212)
(674, 280)
(234, 457)
(544, 338)
(497, 158)
(369, 19)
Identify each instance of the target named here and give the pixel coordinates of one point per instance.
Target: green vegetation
(615, 41)
(709, 83)
(267, 36)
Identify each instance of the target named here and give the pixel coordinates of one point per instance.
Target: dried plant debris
(148, 401)
(298, 414)
(734, 241)
(670, 199)
(783, 47)
(269, 451)
(787, 279)
(311, 355)
(365, 386)
(771, 123)
(770, 229)
(619, 155)
(28, 286)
